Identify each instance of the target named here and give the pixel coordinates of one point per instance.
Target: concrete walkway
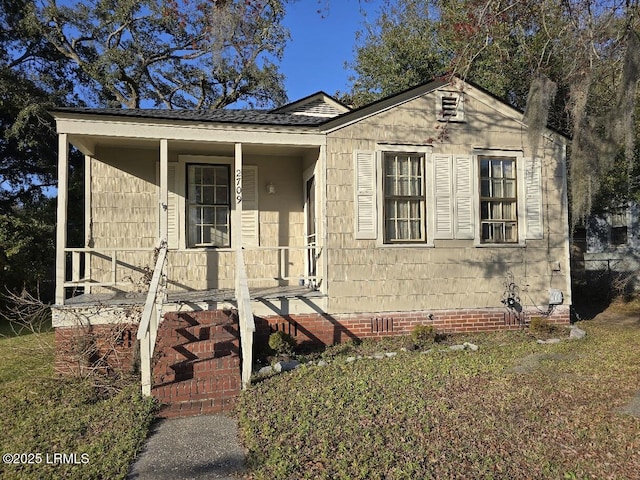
(203, 447)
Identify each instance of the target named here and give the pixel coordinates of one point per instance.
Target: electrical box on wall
(555, 297)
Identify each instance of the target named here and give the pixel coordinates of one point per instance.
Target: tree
(111, 53)
(400, 49)
(573, 65)
(206, 54)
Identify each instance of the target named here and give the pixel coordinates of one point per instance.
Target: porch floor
(194, 296)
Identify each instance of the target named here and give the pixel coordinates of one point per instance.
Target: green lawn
(102, 422)
(512, 410)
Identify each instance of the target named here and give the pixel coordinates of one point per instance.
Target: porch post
(236, 217)
(246, 325)
(164, 191)
(88, 222)
(61, 220)
(322, 236)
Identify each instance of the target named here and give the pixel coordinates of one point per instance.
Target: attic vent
(316, 108)
(449, 106)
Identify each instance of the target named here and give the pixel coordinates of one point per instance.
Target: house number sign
(238, 186)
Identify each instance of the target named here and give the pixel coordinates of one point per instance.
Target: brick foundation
(103, 348)
(196, 364)
(324, 329)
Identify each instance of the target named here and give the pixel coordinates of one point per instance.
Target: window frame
(616, 230)
(425, 151)
(189, 203)
(518, 156)
(182, 198)
(397, 198)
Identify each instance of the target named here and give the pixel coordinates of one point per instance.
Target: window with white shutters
(199, 208)
(419, 197)
(404, 199)
(208, 206)
(498, 200)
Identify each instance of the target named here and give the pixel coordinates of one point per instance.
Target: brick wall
(112, 347)
(105, 348)
(324, 329)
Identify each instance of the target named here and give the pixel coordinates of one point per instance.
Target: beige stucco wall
(365, 276)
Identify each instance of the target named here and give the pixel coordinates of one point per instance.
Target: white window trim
(609, 219)
(520, 200)
(181, 181)
(426, 150)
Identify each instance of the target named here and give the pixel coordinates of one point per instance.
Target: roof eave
(62, 114)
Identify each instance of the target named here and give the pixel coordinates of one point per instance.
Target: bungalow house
(206, 230)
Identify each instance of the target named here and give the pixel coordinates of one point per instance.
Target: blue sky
(321, 43)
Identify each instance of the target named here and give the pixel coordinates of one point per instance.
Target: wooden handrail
(153, 292)
(246, 323)
(148, 327)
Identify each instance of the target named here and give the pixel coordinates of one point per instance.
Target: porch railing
(246, 325)
(148, 328)
(282, 271)
(115, 271)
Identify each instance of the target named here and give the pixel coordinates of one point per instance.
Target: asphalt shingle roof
(256, 117)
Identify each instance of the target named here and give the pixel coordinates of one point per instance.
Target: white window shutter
(463, 206)
(250, 212)
(173, 224)
(365, 195)
(443, 198)
(533, 198)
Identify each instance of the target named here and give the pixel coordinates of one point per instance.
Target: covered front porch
(188, 214)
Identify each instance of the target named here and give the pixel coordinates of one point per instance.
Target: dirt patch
(633, 407)
(533, 362)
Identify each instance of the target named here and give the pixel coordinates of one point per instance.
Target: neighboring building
(612, 247)
(427, 207)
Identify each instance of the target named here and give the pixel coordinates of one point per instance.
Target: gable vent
(450, 106)
(316, 108)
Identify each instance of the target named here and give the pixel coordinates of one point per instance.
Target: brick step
(198, 407)
(199, 388)
(168, 358)
(189, 369)
(200, 319)
(210, 392)
(196, 363)
(194, 333)
(205, 348)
